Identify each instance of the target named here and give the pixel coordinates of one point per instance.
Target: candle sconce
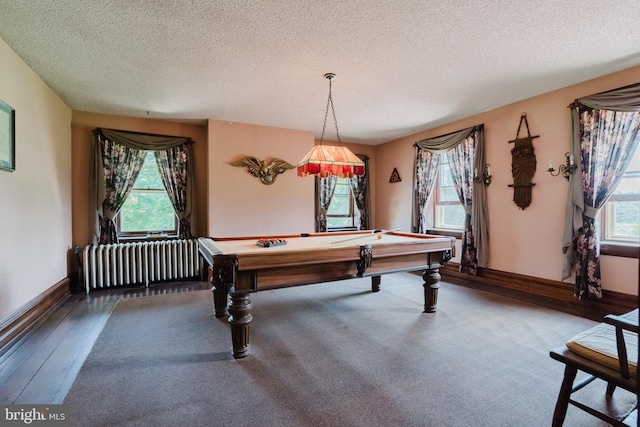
(567, 169)
(485, 177)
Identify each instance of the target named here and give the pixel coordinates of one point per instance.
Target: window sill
(338, 229)
(443, 232)
(146, 238)
(625, 250)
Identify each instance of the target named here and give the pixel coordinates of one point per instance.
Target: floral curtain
(324, 193)
(607, 142)
(360, 191)
(121, 168)
(173, 165)
(461, 163)
(116, 161)
(426, 169)
(466, 147)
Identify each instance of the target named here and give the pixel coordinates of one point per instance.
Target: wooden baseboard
(18, 324)
(548, 293)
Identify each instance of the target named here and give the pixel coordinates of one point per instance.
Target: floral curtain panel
(606, 133)
(461, 163)
(121, 167)
(324, 193)
(426, 168)
(173, 164)
(360, 191)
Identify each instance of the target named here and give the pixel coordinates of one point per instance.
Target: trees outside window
(621, 214)
(340, 213)
(147, 208)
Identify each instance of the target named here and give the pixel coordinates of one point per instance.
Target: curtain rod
(189, 140)
(475, 127)
(575, 103)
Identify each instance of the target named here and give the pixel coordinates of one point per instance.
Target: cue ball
(379, 236)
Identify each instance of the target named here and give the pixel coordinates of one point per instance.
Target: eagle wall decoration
(266, 172)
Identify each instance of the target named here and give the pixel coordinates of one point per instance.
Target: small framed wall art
(7, 137)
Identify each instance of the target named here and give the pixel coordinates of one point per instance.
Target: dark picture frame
(7, 137)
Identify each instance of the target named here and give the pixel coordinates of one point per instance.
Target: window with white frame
(620, 218)
(147, 208)
(448, 211)
(341, 213)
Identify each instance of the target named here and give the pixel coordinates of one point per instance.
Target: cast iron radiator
(139, 263)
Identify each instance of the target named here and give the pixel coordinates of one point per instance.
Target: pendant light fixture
(327, 160)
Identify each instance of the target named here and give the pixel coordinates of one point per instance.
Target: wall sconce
(567, 169)
(485, 177)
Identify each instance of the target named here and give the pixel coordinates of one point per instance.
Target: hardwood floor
(41, 368)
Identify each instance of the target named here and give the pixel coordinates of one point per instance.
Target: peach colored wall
(35, 199)
(82, 125)
(526, 242)
(239, 204)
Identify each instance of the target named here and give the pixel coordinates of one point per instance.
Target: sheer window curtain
(107, 170)
(606, 133)
(468, 146)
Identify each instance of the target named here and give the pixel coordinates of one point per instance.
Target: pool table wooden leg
(431, 285)
(375, 283)
(240, 321)
(223, 276)
(220, 301)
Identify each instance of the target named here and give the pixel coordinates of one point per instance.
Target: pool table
(241, 265)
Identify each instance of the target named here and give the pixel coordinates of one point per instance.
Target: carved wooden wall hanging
(395, 176)
(266, 172)
(523, 166)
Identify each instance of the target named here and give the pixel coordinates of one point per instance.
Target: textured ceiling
(402, 66)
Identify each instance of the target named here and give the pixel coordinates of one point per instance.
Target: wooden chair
(607, 351)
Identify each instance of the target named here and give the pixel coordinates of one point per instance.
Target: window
(340, 213)
(621, 214)
(449, 213)
(147, 208)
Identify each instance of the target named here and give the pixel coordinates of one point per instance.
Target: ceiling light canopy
(327, 160)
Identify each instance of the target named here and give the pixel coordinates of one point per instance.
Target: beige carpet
(332, 354)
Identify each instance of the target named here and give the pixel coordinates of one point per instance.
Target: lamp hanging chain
(333, 110)
(326, 113)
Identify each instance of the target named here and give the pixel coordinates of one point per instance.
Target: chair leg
(562, 404)
(611, 387)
